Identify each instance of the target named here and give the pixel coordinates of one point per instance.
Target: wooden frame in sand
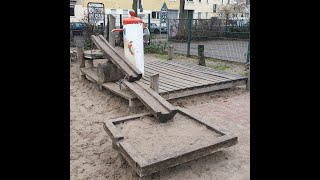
(144, 168)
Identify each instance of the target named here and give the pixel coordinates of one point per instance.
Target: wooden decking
(177, 79)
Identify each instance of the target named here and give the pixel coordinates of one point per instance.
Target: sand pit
(91, 153)
(155, 140)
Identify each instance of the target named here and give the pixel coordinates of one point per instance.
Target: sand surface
(154, 140)
(91, 153)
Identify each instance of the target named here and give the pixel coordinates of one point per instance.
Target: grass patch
(155, 48)
(246, 73)
(161, 56)
(221, 67)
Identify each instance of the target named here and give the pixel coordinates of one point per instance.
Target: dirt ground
(91, 153)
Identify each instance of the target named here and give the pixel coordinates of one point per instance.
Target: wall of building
(205, 6)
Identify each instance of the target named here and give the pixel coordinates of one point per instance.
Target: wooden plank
(126, 67)
(185, 155)
(112, 131)
(127, 118)
(154, 82)
(178, 75)
(162, 101)
(205, 68)
(187, 72)
(208, 70)
(91, 72)
(201, 73)
(134, 159)
(215, 128)
(204, 71)
(93, 54)
(169, 86)
(171, 80)
(144, 167)
(205, 89)
(120, 54)
(190, 72)
(123, 92)
(158, 106)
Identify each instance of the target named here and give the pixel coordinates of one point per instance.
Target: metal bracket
(121, 80)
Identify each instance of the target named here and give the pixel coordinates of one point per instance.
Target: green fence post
(248, 50)
(149, 26)
(189, 35)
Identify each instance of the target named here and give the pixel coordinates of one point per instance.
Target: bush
(156, 48)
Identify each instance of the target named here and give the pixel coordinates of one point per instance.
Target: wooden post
(80, 58)
(248, 81)
(112, 25)
(202, 61)
(107, 29)
(189, 35)
(90, 63)
(154, 82)
(170, 52)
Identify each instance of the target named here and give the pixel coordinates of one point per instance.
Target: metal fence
(224, 39)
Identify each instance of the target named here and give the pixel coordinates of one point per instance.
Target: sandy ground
(154, 140)
(91, 153)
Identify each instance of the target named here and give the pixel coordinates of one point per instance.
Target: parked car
(154, 28)
(78, 26)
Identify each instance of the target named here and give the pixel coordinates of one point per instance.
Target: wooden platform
(147, 162)
(177, 79)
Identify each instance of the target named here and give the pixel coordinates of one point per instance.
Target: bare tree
(231, 11)
(135, 7)
(181, 9)
(182, 19)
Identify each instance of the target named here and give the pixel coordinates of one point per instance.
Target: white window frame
(214, 8)
(157, 14)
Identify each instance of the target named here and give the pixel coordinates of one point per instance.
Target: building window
(207, 1)
(228, 1)
(190, 0)
(215, 8)
(199, 15)
(199, 0)
(206, 15)
(71, 10)
(155, 15)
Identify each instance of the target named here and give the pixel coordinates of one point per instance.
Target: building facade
(200, 9)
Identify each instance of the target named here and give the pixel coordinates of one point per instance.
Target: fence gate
(96, 15)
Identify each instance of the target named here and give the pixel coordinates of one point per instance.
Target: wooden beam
(156, 104)
(202, 61)
(112, 26)
(81, 62)
(126, 67)
(170, 52)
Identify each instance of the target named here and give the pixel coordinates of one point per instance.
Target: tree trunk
(135, 7)
(182, 23)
